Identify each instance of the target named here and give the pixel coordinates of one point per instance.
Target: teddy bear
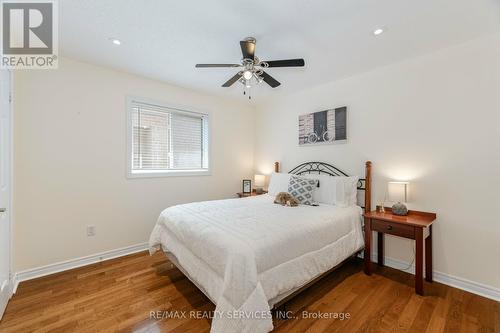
(286, 199)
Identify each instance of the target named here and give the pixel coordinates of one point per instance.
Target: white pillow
(278, 183)
(346, 190)
(336, 190)
(326, 192)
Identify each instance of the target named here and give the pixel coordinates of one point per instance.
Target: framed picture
(247, 186)
(323, 127)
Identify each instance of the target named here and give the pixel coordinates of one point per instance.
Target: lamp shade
(398, 191)
(259, 180)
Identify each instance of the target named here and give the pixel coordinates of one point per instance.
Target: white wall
(69, 163)
(433, 120)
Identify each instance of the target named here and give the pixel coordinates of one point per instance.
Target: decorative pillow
(302, 189)
(278, 183)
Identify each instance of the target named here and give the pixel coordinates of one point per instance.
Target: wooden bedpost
(276, 166)
(368, 187)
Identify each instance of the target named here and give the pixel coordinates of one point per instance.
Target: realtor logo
(29, 34)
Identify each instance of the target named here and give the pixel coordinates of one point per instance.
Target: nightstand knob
(389, 227)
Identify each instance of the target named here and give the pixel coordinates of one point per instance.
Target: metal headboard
(324, 168)
(364, 184)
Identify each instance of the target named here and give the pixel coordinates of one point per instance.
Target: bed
(250, 255)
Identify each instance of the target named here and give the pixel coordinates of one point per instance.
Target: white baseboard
(450, 280)
(5, 295)
(74, 263)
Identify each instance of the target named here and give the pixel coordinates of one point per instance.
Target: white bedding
(245, 252)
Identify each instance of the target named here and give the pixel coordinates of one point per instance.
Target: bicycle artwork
(323, 127)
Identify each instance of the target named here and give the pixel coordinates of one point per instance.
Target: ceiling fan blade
(270, 80)
(216, 65)
(286, 63)
(248, 49)
(232, 80)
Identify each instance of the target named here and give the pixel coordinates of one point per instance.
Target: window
(164, 141)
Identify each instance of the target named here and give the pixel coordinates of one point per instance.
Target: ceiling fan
(252, 68)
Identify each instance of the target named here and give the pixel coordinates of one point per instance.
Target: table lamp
(259, 182)
(398, 193)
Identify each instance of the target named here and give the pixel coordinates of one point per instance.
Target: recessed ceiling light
(378, 31)
(115, 41)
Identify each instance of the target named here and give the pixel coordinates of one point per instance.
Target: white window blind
(167, 140)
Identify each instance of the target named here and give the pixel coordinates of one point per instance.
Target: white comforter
(254, 250)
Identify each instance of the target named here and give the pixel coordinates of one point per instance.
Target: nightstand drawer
(395, 229)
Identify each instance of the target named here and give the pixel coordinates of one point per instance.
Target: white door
(5, 194)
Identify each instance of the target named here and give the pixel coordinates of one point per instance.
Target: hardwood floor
(118, 296)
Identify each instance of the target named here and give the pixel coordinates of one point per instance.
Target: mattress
(245, 253)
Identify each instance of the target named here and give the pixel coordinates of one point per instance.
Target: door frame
(4, 299)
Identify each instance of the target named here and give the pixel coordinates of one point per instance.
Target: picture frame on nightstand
(247, 186)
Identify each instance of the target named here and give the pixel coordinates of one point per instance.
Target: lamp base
(259, 190)
(399, 209)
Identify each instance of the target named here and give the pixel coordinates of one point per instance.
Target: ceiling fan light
(247, 75)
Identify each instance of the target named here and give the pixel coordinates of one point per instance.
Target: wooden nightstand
(244, 195)
(411, 226)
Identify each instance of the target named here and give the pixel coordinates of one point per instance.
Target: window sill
(174, 173)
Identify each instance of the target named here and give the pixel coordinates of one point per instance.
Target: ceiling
(163, 40)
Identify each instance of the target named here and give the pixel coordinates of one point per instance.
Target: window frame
(131, 174)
